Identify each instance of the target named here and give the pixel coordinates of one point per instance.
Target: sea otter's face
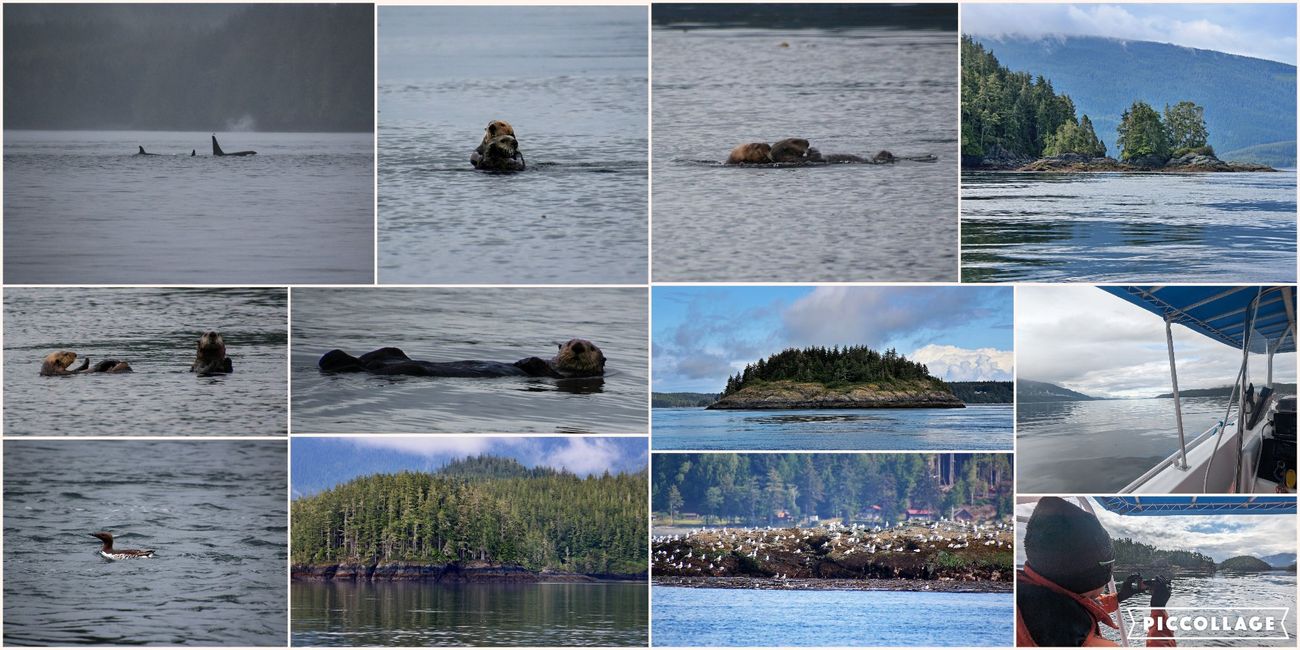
(496, 128)
(212, 346)
(502, 147)
(580, 357)
(60, 360)
(790, 150)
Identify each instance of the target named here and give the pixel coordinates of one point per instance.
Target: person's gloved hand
(1161, 589)
(1132, 586)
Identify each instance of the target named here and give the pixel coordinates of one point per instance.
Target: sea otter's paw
(58, 363)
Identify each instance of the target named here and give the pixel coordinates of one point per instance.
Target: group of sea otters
(499, 152)
(210, 360)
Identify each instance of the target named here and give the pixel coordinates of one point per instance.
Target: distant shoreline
(446, 574)
(833, 584)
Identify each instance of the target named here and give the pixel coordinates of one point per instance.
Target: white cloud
(872, 316)
(1126, 23)
(439, 446)
(952, 363)
(584, 456)
(1087, 340)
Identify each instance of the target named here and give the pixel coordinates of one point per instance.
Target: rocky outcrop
(453, 573)
(1073, 162)
(796, 395)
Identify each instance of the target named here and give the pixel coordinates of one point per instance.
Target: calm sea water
(400, 614)
(983, 427)
(156, 330)
(457, 324)
(1100, 446)
(754, 617)
(80, 208)
(1116, 227)
(573, 83)
(1226, 591)
(853, 91)
(213, 510)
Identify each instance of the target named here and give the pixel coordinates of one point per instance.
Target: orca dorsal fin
(216, 148)
(141, 149)
(192, 152)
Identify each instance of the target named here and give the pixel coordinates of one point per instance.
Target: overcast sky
(1265, 31)
(1218, 536)
(1087, 340)
(320, 463)
(702, 335)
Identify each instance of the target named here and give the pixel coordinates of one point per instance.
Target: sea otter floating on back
(798, 150)
(576, 358)
(60, 363)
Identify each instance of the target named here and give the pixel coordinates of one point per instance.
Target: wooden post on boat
(1178, 405)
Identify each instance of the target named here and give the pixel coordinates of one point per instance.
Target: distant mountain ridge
(1250, 104)
(1279, 560)
(1028, 390)
(1224, 391)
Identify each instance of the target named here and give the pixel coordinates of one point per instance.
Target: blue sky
(321, 463)
(1265, 31)
(702, 335)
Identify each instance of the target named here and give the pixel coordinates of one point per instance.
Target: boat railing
(1175, 459)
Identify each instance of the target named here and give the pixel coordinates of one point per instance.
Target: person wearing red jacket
(1069, 558)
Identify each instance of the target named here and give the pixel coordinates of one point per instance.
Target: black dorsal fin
(216, 148)
(141, 149)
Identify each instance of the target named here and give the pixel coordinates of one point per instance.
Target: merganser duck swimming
(119, 554)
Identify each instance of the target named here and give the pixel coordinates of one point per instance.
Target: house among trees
(918, 513)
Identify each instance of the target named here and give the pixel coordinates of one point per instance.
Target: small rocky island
(1187, 162)
(854, 377)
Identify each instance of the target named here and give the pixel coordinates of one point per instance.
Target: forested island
(848, 377)
(1137, 557)
(831, 521)
(1225, 391)
(1028, 390)
(984, 392)
(479, 519)
(1015, 121)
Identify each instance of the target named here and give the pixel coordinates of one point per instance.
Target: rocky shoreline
(445, 573)
(788, 395)
(1187, 163)
(816, 584)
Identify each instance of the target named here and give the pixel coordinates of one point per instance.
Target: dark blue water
(853, 91)
(1122, 227)
(1101, 446)
(752, 617)
(156, 331)
(457, 324)
(983, 427)
(572, 81)
(80, 208)
(213, 510)
(417, 614)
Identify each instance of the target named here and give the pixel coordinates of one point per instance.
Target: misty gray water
(420, 614)
(81, 208)
(156, 331)
(1098, 447)
(469, 324)
(1120, 227)
(572, 81)
(853, 91)
(213, 510)
(1223, 591)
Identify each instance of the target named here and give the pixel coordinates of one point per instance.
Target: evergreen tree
(1141, 133)
(1185, 126)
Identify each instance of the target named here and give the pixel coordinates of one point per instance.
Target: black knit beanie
(1068, 546)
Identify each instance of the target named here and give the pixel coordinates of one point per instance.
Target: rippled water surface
(1225, 591)
(400, 614)
(1118, 227)
(81, 208)
(458, 324)
(1098, 447)
(572, 81)
(853, 91)
(156, 331)
(983, 427)
(755, 617)
(213, 510)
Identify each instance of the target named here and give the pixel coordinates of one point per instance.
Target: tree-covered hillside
(1131, 555)
(483, 510)
(750, 489)
(1248, 102)
(983, 392)
(833, 367)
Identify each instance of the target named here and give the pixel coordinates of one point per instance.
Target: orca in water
(216, 150)
(142, 152)
(192, 151)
